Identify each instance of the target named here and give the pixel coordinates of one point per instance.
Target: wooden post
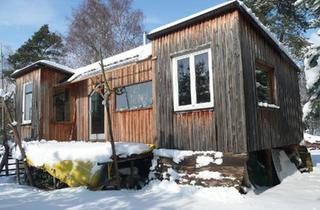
(54, 182)
(131, 168)
(18, 172)
(6, 156)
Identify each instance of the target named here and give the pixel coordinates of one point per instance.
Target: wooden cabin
(216, 80)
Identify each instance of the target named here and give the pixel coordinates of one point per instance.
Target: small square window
(265, 84)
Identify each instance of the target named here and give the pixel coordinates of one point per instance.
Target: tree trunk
(107, 94)
(114, 155)
(18, 142)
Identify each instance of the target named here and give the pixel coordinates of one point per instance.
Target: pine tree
(311, 110)
(42, 45)
(286, 20)
(313, 5)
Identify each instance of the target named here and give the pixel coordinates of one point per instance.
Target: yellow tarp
(77, 173)
(80, 173)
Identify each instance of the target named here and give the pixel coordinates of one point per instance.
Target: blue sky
(19, 19)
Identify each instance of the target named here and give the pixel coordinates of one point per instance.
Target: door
(96, 117)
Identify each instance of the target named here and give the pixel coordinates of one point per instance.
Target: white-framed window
(192, 81)
(27, 103)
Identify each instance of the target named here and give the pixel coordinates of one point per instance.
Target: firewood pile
(227, 171)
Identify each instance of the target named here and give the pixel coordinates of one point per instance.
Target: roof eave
(235, 5)
(267, 37)
(206, 16)
(37, 66)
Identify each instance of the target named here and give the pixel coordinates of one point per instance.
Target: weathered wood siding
(32, 130)
(129, 125)
(222, 128)
(49, 128)
(267, 128)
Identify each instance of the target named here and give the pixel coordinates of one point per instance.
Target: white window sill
(266, 105)
(26, 122)
(192, 108)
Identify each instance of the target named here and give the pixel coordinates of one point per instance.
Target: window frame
(24, 102)
(96, 136)
(272, 83)
(134, 109)
(193, 89)
(55, 94)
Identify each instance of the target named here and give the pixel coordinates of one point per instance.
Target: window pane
(135, 96)
(97, 114)
(184, 81)
(202, 78)
(28, 106)
(263, 86)
(62, 107)
(28, 88)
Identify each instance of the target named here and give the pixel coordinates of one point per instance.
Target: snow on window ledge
(266, 105)
(26, 122)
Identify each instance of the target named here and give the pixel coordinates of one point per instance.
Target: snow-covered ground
(311, 138)
(299, 191)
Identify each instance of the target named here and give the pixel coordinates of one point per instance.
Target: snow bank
(300, 191)
(51, 152)
(179, 155)
(311, 138)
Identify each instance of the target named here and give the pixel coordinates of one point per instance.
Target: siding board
(221, 128)
(269, 128)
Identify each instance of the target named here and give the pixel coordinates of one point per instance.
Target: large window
(192, 81)
(27, 103)
(61, 106)
(134, 96)
(265, 84)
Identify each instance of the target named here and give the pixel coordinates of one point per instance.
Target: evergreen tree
(312, 71)
(313, 5)
(311, 110)
(286, 20)
(42, 45)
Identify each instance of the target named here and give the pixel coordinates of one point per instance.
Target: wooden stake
(18, 171)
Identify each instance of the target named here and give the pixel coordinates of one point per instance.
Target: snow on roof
(137, 54)
(52, 64)
(211, 9)
(185, 19)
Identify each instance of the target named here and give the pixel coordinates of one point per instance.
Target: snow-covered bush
(311, 110)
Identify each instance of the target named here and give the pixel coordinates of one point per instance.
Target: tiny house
(216, 80)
